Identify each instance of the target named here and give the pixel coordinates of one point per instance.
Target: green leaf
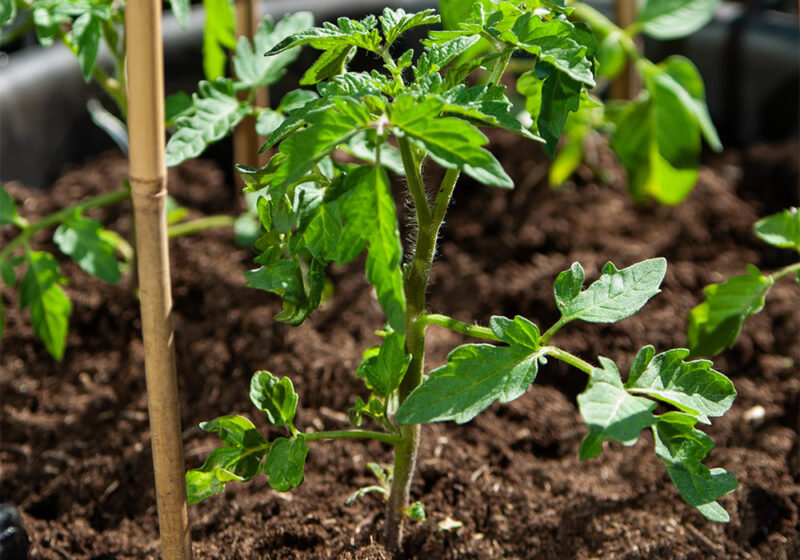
(8, 11)
(396, 22)
(384, 371)
(458, 11)
(437, 56)
(560, 95)
(363, 147)
(360, 34)
(715, 324)
(86, 35)
(216, 111)
(180, 9)
(268, 121)
(252, 68)
(8, 274)
(321, 236)
(486, 104)
(177, 105)
(557, 42)
(617, 294)
(331, 62)
(673, 19)
(329, 128)
(682, 447)
(86, 242)
(284, 278)
(566, 161)
(417, 511)
(285, 463)
(449, 141)
(658, 142)
(276, 398)
(610, 412)
(219, 34)
(692, 387)
(50, 307)
(683, 79)
(475, 376)
(779, 230)
(8, 209)
(369, 215)
(517, 332)
(239, 459)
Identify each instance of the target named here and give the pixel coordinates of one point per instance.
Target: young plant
(657, 135)
(206, 118)
(314, 210)
(715, 324)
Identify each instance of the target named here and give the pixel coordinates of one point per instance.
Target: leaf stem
(353, 434)
(61, 215)
(193, 226)
(458, 326)
(571, 359)
(786, 271)
(553, 330)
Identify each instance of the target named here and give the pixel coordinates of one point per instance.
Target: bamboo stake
(246, 142)
(148, 194)
(627, 84)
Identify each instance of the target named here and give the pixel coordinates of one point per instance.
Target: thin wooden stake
(627, 84)
(148, 192)
(246, 142)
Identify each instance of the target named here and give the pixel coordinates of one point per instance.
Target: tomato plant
(315, 209)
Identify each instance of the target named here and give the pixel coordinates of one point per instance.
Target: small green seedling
(715, 324)
(315, 209)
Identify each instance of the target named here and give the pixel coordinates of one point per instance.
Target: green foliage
(682, 448)
(88, 244)
(239, 459)
(8, 210)
(673, 19)
(715, 324)
(316, 208)
(781, 229)
(252, 68)
(617, 294)
(215, 111)
(50, 308)
(275, 398)
(476, 375)
(218, 35)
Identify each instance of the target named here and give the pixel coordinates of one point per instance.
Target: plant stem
(459, 326)
(61, 215)
(568, 358)
(415, 285)
(786, 271)
(553, 330)
(193, 226)
(354, 434)
(415, 186)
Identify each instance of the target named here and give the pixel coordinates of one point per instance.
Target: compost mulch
(75, 445)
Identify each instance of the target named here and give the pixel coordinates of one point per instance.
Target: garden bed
(75, 449)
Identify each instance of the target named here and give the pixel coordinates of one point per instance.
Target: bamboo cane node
(143, 189)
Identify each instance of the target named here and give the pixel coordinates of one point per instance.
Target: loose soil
(75, 450)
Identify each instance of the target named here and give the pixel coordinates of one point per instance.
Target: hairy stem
(416, 281)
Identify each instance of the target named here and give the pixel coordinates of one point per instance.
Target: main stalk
(416, 280)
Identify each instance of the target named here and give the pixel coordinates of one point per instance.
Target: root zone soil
(75, 449)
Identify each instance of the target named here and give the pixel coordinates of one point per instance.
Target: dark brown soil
(75, 450)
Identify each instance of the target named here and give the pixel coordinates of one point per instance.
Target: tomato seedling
(316, 209)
